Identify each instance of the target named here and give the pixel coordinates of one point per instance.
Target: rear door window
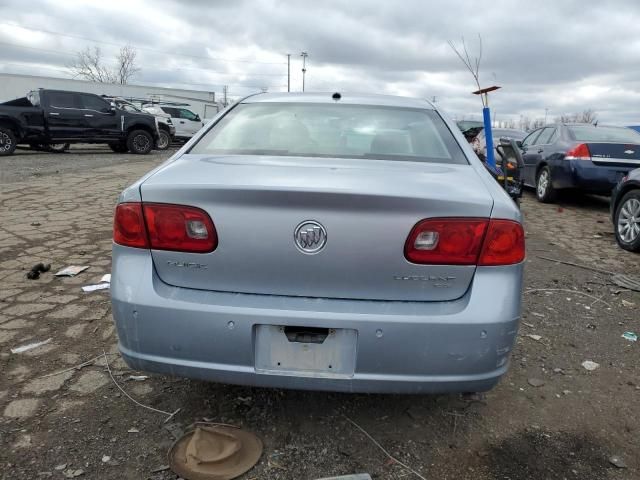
(64, 100)
(325, 130)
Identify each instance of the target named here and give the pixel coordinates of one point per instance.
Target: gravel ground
(549, 418)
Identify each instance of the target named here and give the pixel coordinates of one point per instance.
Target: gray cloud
(561, 56)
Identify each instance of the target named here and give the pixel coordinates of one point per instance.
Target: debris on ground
(138, 378)
(590, 365)
(30, 346)
(218, 452)
(627, 303)
(71, 271)
(73, 473)
(535, 382)
(37, 269)
(630, 282)
(98, 286)
(617, 461)
(535, 337)
(631, 336)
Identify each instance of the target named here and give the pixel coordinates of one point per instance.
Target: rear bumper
(402, 347)
(586, 175)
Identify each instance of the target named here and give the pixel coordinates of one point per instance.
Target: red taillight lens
(128, 226)
(179, 228)
(503, 244)
(465, 241)
(446, 241)
(579, 152)
(164, 227)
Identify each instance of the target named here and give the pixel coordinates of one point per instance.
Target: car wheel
(118, 147)
(164, 141)
(139, 142)
(627, 221)
(58, 147)
(545, 192)
(7, 141)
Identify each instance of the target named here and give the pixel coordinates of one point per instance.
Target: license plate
(277, 351)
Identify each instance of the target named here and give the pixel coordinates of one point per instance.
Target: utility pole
(224, 92)
(546, 110)
(288, 72)
(304, 56)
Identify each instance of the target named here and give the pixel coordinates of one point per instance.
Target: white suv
(186, 122)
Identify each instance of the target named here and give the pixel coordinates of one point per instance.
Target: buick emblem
(310, 237)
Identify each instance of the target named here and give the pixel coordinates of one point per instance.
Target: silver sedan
(321, 241)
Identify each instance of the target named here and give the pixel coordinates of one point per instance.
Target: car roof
(346, 98)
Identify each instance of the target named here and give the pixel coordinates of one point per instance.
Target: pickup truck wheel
(57, 147)
(545, 192)
(7, 141)
(139, 142)
(164, 141)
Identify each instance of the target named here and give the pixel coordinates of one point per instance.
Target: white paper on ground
(30, 346)
(71, 271)
(106, 278)
(99, 286)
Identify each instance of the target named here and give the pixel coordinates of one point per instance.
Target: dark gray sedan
(578, 156)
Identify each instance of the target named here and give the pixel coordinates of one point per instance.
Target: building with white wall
(200, 102)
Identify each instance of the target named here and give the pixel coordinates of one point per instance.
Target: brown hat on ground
(214, 453)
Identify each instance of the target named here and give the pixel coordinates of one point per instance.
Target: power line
(50, 32)
(69, 54)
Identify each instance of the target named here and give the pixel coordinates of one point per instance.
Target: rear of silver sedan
(304, 241)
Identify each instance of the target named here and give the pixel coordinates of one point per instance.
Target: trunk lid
(615, 154)
(367, 208)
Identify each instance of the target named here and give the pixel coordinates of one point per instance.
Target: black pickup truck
(57, 117)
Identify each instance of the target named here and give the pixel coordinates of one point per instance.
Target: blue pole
(488, 135)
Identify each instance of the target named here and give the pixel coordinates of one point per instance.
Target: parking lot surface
(550, 417)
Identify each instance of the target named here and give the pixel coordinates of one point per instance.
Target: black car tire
(140, 142)
(164, 140)
(118, 147)
(545, 192)
(629, 200)
(7, 141)
(57, 147)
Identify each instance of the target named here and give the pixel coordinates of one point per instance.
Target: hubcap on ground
(629, 220)
(141, 143)
(5, 142)
(543, 183)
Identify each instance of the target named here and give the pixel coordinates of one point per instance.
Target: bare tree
(473, 65)
(126, 59)
(586, 116)
(89, 65)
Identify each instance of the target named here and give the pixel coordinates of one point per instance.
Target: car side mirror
(198, 118)
(519, 143)
(112, 108)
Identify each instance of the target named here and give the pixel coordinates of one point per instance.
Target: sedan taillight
(465, 241)
(162, 226)
(579, 152)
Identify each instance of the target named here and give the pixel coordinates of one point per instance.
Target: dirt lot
(550, 418)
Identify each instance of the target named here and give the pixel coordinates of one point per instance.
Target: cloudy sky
(561, 55)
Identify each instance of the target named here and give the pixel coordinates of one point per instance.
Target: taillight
(446, 241)
(579, 152)
(128, 226)
(503, 244)
(465, 241)
(163, 226)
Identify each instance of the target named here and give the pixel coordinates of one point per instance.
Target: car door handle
(88, 115)
(181, 121)
(541, 150)
(54, 114)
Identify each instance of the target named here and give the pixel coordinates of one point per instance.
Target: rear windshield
(588, 133)
(322, 130)
(515, 134)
